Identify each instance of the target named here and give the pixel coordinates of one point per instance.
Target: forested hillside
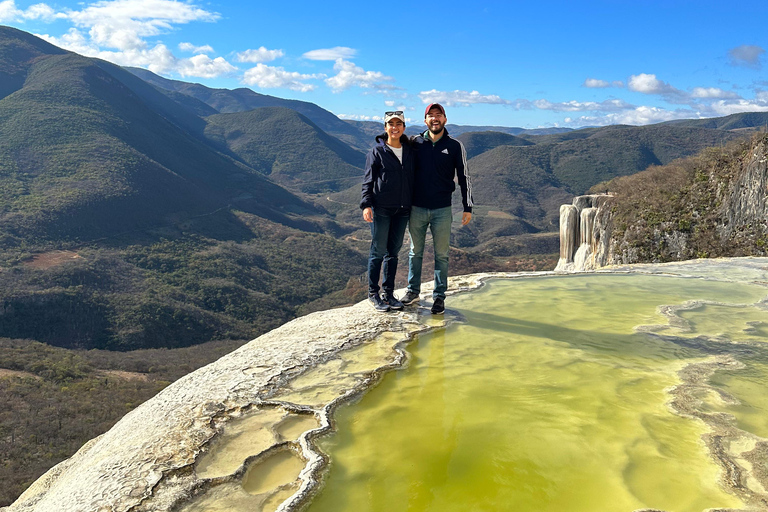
(177, 242)
(712, 205)
(287, 147)
(242, 100)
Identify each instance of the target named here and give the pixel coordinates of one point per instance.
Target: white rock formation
(569, 229)
(146, 461)
(157, 441)
(583, 244)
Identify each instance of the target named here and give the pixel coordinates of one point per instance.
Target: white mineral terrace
(157, 456)
(239, 433)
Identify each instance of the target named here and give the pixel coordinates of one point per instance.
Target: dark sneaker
(392, 301)
(438, 307)
(409, 298)
(378, 303)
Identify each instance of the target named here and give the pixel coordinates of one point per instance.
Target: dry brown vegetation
(53, 400)
(679, 211)
(50, 259)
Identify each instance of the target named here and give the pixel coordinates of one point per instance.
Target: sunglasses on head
(394, 113)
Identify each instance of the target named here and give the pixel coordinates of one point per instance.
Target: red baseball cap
(434, 105)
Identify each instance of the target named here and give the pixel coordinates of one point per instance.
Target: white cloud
(122, 24)
(460, 98)
(9, 12)
(262, 54)
(649, 84)
(40, 11)
(575, 106)
(726, 108)
(73, 40)
(189, 47)
(746, 55)
(594, 83)
(115, 30)
(390, 103)
(648, 115)
(348, 75)
(712, 92)
(203, 66)
(360, 117)
(158, 59)
(338, 52)
(270, 77)
(638, 116)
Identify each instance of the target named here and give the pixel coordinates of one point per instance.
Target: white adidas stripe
(466, 173)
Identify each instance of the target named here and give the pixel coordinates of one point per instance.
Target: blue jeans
(439, 223)
(387, 233)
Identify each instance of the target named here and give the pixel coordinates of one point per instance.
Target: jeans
(439, 222)
(387, 233)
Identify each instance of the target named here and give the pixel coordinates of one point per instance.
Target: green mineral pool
(555, 394)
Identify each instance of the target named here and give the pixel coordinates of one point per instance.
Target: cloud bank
(269, 77)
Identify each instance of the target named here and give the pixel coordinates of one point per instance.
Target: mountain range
(199, 213)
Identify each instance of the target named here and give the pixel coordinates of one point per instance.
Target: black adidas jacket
(436, 166)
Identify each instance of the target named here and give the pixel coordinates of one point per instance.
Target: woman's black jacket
(387, 182)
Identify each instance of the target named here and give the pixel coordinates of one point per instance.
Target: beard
(436, 129)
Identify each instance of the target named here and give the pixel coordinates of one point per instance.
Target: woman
(386, 204)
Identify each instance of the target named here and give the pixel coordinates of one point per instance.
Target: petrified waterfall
(582, 237)
(568, 232)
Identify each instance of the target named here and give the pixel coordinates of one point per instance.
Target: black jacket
(436, 166)
(387, 182)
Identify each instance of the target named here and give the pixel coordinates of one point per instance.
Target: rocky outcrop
(712, 205)
(746, 204)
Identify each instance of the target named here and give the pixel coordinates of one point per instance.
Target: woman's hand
(368, 214)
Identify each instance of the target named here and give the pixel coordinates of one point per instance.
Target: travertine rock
(159, 440)
(145, 462)
(581, 246)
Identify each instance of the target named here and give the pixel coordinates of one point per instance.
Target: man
(439, 159)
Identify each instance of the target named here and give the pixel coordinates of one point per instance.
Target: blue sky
(528, 64)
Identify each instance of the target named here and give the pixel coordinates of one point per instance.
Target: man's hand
(368, 214)
(465, 218)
